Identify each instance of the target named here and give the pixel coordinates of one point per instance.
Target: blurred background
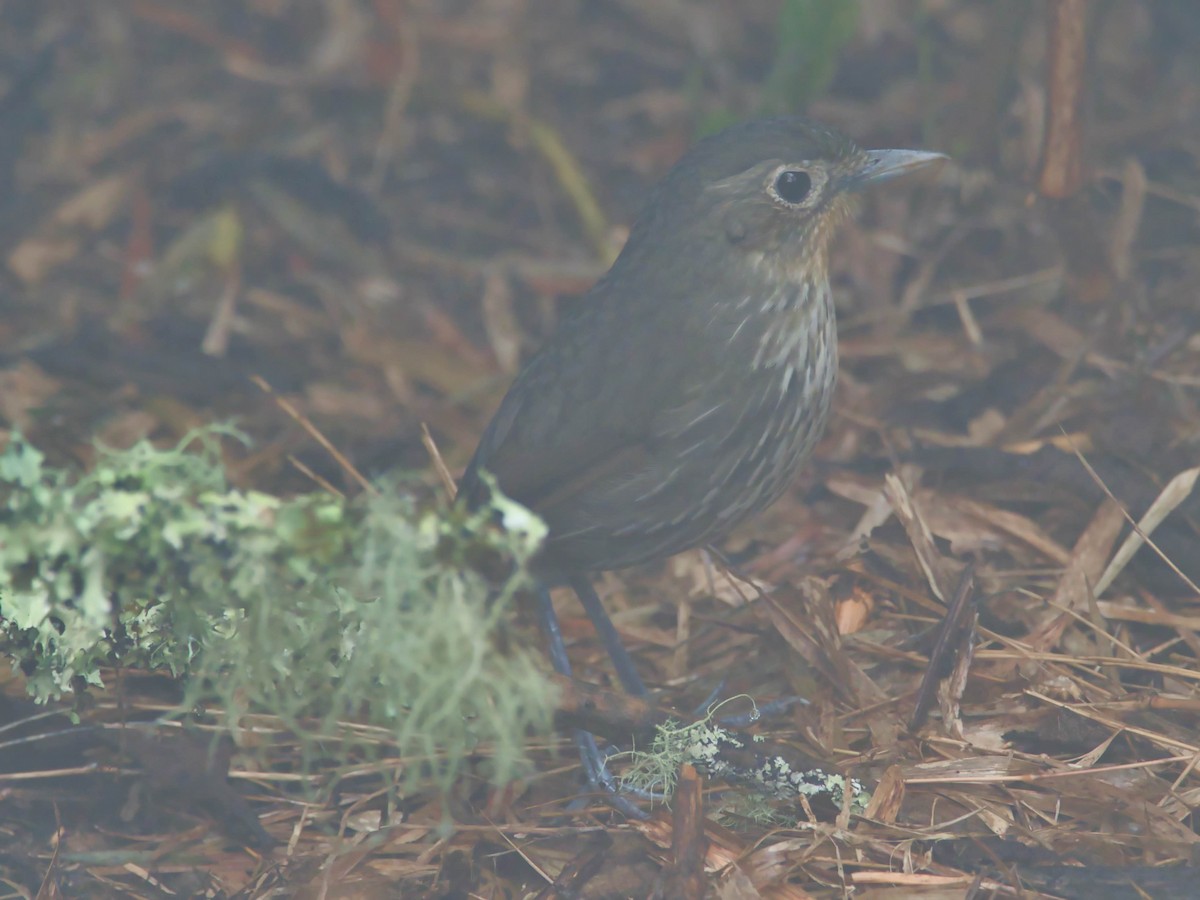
(380, 207)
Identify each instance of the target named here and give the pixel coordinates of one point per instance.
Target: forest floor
(377, 207)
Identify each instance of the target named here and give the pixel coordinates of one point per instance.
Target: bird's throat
(796, 321)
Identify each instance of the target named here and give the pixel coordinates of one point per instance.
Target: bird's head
(771, 191)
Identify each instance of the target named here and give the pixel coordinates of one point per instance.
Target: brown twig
(688, 843)
(304, 422)
(954, 630)
(1062, 153)
(439, 464)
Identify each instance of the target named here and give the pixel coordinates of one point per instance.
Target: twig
(439, 464)
(688, 843)
(303, 421)
(1136, 526)
(1062, 152)
(949, 638)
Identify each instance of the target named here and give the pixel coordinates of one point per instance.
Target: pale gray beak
(884, 165)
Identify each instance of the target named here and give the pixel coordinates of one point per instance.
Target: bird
(681, 394)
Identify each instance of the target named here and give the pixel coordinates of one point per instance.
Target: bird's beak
(884, 165)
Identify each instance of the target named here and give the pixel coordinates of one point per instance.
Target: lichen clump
(310, 609)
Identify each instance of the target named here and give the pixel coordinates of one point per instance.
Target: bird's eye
(792, 186)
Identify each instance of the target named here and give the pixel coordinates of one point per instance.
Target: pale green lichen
(308, 609)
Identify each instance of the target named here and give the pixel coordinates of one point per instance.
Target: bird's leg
(594, 766)
(548, 619)
(626, 670)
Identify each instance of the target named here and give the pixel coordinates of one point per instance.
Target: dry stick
(1062, 152)
(439, 464)
(1160, 614)
(919, 536)
(313, 432)
(1177, 490)
(1187, 770)
(948, 640)
(1019, 653)
(1085, 711)
(1085, 249)
(1129, 217)
(589, 862)
(688, 843)
(1057, 774)
(321, 481)
(1095, 476)
(519, 851)
(888, 796)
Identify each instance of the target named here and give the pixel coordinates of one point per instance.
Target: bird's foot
(599, 778)
(744, 720)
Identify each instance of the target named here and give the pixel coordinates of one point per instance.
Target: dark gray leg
(549, 622)
(626, 670)
(594, 767)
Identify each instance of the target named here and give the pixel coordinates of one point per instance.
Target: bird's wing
(579, 412)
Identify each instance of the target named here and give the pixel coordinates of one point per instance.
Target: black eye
(793, 186)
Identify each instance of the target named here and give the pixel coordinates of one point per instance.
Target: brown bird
(694, 378)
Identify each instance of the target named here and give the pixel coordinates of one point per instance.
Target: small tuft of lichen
(729, 755)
